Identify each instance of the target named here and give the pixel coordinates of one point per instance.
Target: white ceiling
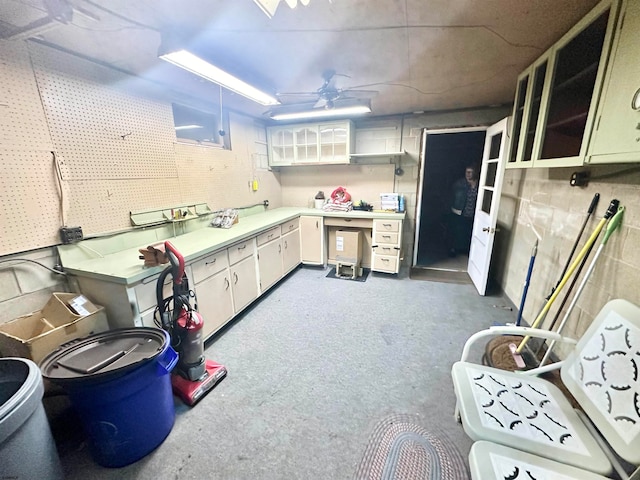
(420, 55)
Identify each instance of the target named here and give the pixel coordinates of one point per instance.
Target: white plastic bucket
(27, 448)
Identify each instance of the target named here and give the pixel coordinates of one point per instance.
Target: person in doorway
(463, 208)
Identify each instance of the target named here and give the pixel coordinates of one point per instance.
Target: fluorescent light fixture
(188, 127)
(194, 64)
(340, 110)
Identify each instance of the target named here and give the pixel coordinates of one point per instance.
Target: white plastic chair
(517, 412)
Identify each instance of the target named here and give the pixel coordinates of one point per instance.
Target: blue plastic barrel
(125, 405)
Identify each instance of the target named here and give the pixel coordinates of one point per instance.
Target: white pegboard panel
(219, 177)
(22, 120)
(100, 206)
(98, 128)
(29, 201)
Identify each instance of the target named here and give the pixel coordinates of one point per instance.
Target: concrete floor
(314, 365)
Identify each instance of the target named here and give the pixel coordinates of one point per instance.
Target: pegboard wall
(98, 129)
(115, 147)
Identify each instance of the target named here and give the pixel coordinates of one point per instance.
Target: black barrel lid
(104, 355)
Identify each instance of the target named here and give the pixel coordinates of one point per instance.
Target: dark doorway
(445, 158)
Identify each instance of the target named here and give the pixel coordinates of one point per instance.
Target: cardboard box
(65, 317)
(348, 246)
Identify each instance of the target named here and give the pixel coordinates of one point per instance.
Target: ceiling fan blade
(360, 93)
(297, 94)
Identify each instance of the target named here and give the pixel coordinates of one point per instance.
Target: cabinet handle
(279, 248)
(384, 259)
(316, 223)
(347, 219)
(211, 262)
(235, 278)
(386, 225)
(242, 247)
(270, 235)
(386, 236)
(285, 244)
(226, 283)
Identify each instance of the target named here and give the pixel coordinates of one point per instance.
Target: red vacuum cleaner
(194, 376)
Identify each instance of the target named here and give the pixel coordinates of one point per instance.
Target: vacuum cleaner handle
(175, 258)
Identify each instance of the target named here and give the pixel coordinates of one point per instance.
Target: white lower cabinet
(290, 251)
(270, 263)
(312, 240)
(215, 302)
(244, 282)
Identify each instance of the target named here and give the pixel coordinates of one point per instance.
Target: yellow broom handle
(564, 280)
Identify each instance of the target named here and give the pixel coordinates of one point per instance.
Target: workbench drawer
(269, 235)
(241, 250)
(384, 263)
(385, 249)
(386, 237)
(209, 265)
(146, 291)
(386, 225)
(289, 226)
(348, 222)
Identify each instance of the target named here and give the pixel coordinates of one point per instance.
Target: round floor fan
(329, 93)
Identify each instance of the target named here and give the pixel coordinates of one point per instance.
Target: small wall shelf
(179, 213)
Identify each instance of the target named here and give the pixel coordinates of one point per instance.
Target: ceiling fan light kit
(342, 108)
(194, 64)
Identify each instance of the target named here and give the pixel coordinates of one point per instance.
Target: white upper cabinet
(557, 96)
(311, 144)
(616, 137)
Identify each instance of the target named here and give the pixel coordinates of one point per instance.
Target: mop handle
(613, 207)
(534, 252)
(592, 207)
(611, 227)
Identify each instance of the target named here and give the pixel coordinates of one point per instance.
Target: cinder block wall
(542, 201)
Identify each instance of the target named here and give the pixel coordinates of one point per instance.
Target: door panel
(486, 217)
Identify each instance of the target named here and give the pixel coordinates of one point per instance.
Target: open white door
(489, 188)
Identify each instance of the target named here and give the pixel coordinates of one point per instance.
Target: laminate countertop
(116, 258)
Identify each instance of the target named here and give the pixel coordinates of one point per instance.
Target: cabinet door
(335, 142)
(306, 144)
(270, 264)
(214, 301)
(617, 135)
(521, 103)
(281, 150)
(244, 283)
(290, 251)
(573, 87)
(312, 240)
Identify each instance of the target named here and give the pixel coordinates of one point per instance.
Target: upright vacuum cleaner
(194, 376)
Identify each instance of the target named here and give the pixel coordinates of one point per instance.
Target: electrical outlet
(265, 203)
(70, 234)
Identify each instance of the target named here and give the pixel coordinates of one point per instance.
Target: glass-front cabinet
(334, 143)
(311, 144)
(616, 137)
(557, 96)
(281, 147)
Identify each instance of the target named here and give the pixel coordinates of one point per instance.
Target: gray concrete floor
(314, 365)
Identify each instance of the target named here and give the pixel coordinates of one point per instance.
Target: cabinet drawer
(384, 249)
(240, 250)
(146, 291)
(386, 225)
(383, 263)
(289, 226)
(386, 237)
(269, 235)
(348, 222)
(209, 265)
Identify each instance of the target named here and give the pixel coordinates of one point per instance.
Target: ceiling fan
(329, 93)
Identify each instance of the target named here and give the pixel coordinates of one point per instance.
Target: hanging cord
(57, 272)
(56, 165)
